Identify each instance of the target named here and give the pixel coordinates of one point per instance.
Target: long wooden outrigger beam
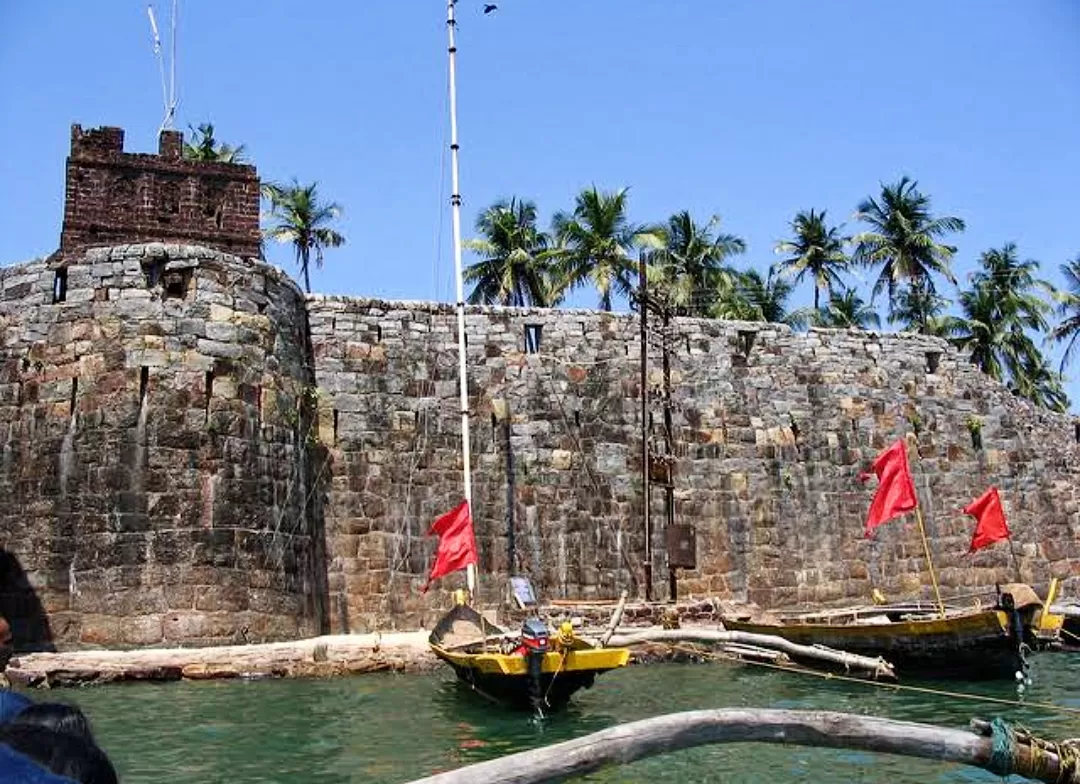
(992, 746)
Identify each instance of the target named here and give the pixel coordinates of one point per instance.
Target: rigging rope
(1048, 706)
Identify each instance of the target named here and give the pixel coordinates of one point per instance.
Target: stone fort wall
(770, 429)
(194, 453)
(154, 477)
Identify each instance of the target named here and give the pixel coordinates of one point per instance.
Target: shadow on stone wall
(20, 605)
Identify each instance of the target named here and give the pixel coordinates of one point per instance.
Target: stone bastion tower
(154, 486)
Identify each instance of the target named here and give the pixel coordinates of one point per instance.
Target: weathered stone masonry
(194, 453)
(772, 428)
(154, 477)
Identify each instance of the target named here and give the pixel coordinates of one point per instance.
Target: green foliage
(204, 147)
(688, 269)
(903, 242)
(815, 249)
(754, 297)
(595, 244)
(847, 310)
(517, 259)
(300, 219)
(1068, 309)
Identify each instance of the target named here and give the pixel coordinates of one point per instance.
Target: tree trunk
(876, 667)
(305, 257)
(636, 740)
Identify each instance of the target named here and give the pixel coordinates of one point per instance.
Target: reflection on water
(386, 729)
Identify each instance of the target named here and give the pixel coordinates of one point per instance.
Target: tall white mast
(455, 204)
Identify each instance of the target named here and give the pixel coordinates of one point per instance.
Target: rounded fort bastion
(155, 478)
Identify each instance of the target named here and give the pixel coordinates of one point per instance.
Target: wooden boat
(971, 644)
(533, 670)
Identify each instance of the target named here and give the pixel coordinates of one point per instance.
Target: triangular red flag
(896, 491)
(991, 526)
(457, 545)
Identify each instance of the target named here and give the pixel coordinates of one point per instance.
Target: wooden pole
(1016, 562)
(661, 734)
(875, 666)
(929, 560)
(646, 495)
(616, 619)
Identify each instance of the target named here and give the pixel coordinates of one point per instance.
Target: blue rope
(1003, 748)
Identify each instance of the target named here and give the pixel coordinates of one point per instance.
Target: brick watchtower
(113, 197)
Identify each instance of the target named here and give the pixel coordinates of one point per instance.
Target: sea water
(386, 729)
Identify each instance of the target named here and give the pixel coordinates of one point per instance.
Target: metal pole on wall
(646, 499)
(455, 204)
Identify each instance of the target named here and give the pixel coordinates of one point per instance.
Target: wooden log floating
(876, 667)
(1022, 756)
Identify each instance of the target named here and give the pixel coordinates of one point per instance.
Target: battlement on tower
(114, 197)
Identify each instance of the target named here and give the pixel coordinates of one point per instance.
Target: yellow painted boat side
(591, 659)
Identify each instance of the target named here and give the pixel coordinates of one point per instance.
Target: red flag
(896, 492)
(991, 526)
(457, 545)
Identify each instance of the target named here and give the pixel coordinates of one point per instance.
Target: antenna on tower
(168, 89)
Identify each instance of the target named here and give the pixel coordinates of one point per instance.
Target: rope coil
(1003, 748)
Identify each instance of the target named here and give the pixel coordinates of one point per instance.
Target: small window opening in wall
(688, 344)
(1076, 427)
(378, 334)
(335, 427)
(746, 341)
(177, 284)
(532, 338)
(258, 403)
(208, 390)
(933, 358)
(144, 384)
(261, 307)
(577, 419)
(74, 395)
(59, 291)
(152, 271)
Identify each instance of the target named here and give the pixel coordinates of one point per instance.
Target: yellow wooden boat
(967, 643)
(533, 669)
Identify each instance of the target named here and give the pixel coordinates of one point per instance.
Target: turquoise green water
(386, 729)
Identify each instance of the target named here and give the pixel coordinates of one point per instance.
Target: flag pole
(1015, 560)
(929, 560)
(455, 204)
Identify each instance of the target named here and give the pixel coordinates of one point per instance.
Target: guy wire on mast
(168, 89)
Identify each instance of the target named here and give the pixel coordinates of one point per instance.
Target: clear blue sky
(753, 109)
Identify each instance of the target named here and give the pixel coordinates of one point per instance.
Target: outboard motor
(534, 638)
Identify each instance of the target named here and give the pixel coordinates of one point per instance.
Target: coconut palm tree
(204, 147)
(515, 265)
(690, 264)
(846, 311)
(920, 310)
(302, 221)
(1000, 312)
(757, 297)
(597, 241)
(815, 249)
(1040, 384)
(1068, 329)
(904, 241)
(1013, 284)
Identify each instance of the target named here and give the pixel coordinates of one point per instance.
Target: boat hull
(972, 646)
(490, 669)
(504, 678)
